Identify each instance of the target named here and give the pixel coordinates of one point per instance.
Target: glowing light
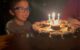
(49, 17)
(58, 16)
(53, 15)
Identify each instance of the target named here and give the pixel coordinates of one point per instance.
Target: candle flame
(58, 14)
(49, 15)
(53, 15)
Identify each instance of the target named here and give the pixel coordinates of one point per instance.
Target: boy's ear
(11, 12)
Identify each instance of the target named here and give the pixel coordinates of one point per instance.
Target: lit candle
(49, 17)
(58, 16)
(53, 15)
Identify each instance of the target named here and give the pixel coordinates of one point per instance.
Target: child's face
(21, 10)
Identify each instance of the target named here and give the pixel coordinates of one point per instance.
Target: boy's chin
(24, 20)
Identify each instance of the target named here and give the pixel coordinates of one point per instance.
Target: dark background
(39, 11)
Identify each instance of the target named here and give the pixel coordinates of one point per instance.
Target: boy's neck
(19, 22)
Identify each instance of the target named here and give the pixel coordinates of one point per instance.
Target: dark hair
(13, 3)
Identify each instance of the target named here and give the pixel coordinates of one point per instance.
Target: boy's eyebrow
(21, 7)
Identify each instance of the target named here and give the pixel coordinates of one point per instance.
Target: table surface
(56, 42)
(44, 42)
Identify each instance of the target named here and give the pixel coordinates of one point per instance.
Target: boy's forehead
(22, 4)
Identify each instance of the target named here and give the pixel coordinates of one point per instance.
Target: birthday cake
(65, 27)
(56, 26)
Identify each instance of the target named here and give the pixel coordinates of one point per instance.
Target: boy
(19, 27)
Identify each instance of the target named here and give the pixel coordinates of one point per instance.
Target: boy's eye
(20, 8)
(17, 8)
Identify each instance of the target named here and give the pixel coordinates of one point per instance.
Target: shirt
(20, 34)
